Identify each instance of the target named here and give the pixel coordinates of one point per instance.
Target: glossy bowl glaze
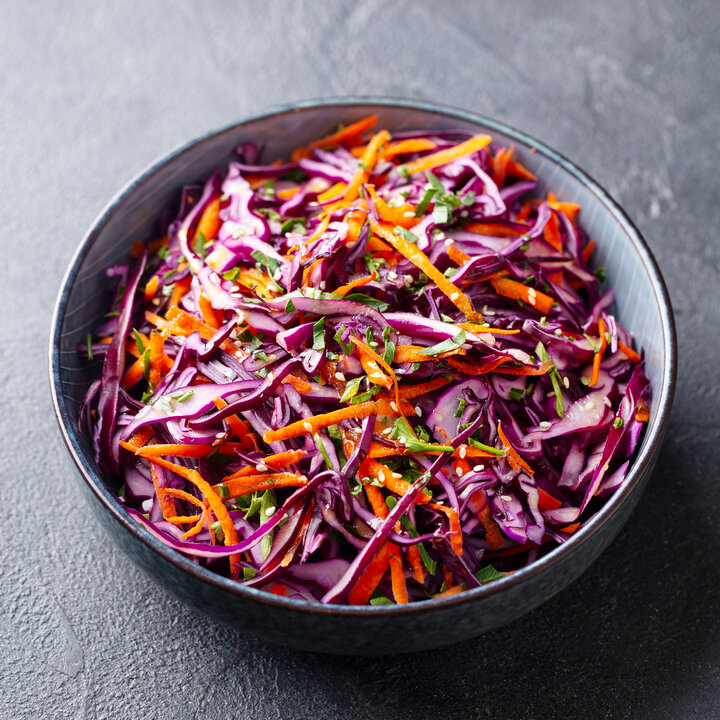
(642, 305)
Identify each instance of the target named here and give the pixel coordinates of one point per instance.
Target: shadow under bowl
(641, 304)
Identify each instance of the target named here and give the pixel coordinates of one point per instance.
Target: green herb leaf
(319, 335)
(403, 433)
(267, 508)
(488, 574)
(223, 490)
(389, 352)
(618, 422)
(249, 573)
(461, 407)
(351, 389)
(290, 307)
(486, 448)
(89, 344)
(381, 600)
(290, 224)
(231, 274)
(517, 394)
(410, 237)
(372, 302)
(445, 346)
(423, 205)
(347, 348)
(264, 261)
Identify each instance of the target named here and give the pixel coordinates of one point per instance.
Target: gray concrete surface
(91, 92)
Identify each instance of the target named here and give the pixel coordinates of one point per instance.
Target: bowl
(642, 305)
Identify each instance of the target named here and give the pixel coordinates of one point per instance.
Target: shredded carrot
(493, 534)
(403, 215)
(300, 385)
(476, 328)
(345, 289)
(443, 157)
(318, 422)
(287, 193)
(134, 374)
(355, 220)
(494, 229)
(551, 233)
(180, 289)
(336, 138)
(597, 358)
(418, 258)
(515, 169)
(628, 352)
(642, 414)
(454, 590)
(405, 147)
(332, 193)
(570, 210)
(546, 501)
(413, 353)
(408, 392)
(512, 454)
(371, 577)
(166, 505)
(413, 556)
(387, 479)
(151, 288)
(279, 589)
(207, 311)
(240, 428)
(457, 255)
(366, 165)
(397, 577)
(517, 291)
(209, 224)
(473, 369)
(455, 529)
(263, 481)
(157, 346)
(365, 352)
(499, 165)
(588, 250)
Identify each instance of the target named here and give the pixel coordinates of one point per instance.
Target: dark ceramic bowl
(641, 304)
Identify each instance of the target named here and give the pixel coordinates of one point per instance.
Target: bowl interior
(640, 300)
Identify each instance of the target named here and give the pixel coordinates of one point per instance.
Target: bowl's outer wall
(638, 303)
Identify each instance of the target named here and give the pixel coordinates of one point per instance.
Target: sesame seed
(261, 467)
(506, 498)
(418, 411)
(270, 377)
(156, 301)
(238, 354)
(462, 452)
(606, 399)
(322, 284)
(459, 472)
(307, 426)
(454, 296)
(392, 275)
(303, 478)
(409, 213)
(408, 279)
(448, 242)
(269, 510)
(339, 376)
(544, 424)
(381, 476)
(566, 381)
(589, 405)
(220, 435)
(394, 406)
(558, 332)
(386, 431)
(397, 475)
(478, 468)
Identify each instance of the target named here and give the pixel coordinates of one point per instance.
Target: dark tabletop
(92, 92)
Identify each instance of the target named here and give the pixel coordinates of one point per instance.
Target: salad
(379, 371)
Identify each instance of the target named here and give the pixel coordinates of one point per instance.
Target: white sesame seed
(532, 298)
(454, 296)
(409, 213)
(544, 424)
(589, 405)
(558, 332)
(505, 498)
(269, 510)
(339, 376)
(566, 381)
(303, 478)
(322, 284)
(272, 356)
(606, 399)
(397, 475)
(478, 468)
(381, 476)
(531, 292)
(270, 377)
(156, 301)
(448, 242)
(220, 435)
(408, 279)
(392, 275)
(238, 354)
(394, 406)
(261, 467)
(459, 471)
(462, 452)
(550, 394)
(464, 213)
(386, 431)
(418, 411)
(307, 426)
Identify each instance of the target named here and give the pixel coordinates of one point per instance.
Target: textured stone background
(92, 92)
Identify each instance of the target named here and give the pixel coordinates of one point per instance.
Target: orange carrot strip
(642, 414)
(551, 233)
(151, 288)
(404, 215)
(517, 291)
(499, 165)
(412, 353)
(176, 450)
(405, 147)
(477, 329)
(570, 210)
(209, 224)
(207, 311)
(300, 385)
(166, 505)
(180, 288)
(374, 373)
(588, 249)
(408, 392)
(371, 577)
(313, 424)
(546, 501)
(355, 220)
(375, 244)
(450, 591)
(515, 169)
(628, 352)
(455, 530)
(336, 138)
(275, 462)
(493, 230)
(386, 478)
(482, 369)
(367, 163)
(174, 492)
(397, 577)
(279, 589)
(512, 454)
(493, 534)
(195, 529)
(216, 504)
(597, 358)
(443, 157)
(457, 255)
(413, 556)
(418, 258)
(263, 481)
(345, 289)
(287, 193)
(332, 193)
(376, 500)
(157, 345)
(134, 374)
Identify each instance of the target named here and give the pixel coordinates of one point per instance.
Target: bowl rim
(663, 395)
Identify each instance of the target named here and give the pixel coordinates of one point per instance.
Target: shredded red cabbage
(381, 372)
